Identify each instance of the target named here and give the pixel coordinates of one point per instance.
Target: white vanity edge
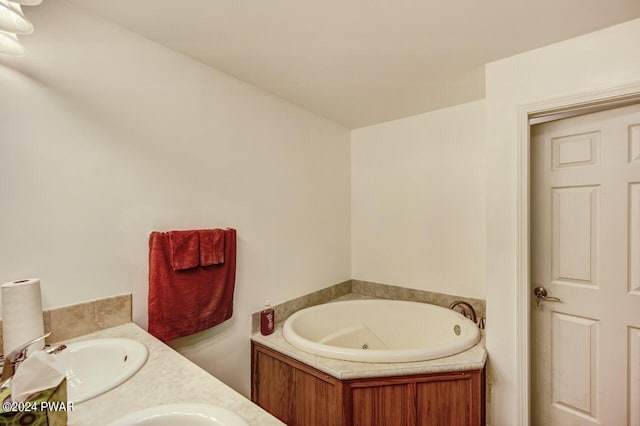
(471, 359)
(166, 378)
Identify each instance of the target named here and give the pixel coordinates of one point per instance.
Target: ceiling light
(10, 45)
(12, 19)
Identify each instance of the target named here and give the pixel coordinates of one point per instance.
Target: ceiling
(361, 62)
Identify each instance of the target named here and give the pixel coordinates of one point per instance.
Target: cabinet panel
(300, 395)
(384, 405)
(294, 392)
(451, 401)
(444, 403)
(272, 387)
(315, 402)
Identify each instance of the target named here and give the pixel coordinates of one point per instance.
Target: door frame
(556, 108)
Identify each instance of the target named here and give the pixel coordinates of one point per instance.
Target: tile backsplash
(285, 309)
(385, 291)
(367, 289)
(70, 321)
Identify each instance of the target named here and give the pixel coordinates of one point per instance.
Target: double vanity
(140, 380)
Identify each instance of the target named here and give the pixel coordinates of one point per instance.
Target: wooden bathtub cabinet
(300, 395)
(294, 392)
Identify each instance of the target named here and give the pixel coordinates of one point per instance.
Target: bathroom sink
(182, 414)
(95, 366)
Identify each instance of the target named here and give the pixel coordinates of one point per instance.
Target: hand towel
(187, 301)
(185, 249)
(211, 247)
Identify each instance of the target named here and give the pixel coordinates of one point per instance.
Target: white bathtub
(380, 331)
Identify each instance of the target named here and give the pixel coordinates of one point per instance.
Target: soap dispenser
(267, 320)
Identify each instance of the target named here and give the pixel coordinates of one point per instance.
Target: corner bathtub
(380, 330)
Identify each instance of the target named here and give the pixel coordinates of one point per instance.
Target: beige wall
(418, 201)
(598, 60)
(107, 136)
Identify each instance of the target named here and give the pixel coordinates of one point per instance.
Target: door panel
(634, 375)
(634, 143)
(585, 250)
(634, 238)
(574, 361)
(575, 235)
(576, 150)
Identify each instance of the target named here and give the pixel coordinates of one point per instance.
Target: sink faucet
(16, 356)
(467, 309)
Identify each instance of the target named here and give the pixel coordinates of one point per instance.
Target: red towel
(211, 247)
(185, 249)
(185, 302)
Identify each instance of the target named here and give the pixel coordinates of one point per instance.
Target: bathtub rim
(380, 355)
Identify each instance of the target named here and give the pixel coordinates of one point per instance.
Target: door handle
(541, 296)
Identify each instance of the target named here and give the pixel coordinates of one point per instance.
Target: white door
(585, 236)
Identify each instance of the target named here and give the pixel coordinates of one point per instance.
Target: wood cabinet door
(450, 401)
(383, 404)
(296, 394)
(272, 388)
(315, 401)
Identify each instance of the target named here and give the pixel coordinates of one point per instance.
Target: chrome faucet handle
(467, 309)
(482, 323)
(52, 350)
(21, 350)
(16, 356)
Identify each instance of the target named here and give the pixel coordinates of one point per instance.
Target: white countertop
(471, 359)
(166, 378)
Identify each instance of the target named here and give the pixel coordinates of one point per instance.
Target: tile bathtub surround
(385, 291)
(285, 309)
(368, 289)
(71, 321)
